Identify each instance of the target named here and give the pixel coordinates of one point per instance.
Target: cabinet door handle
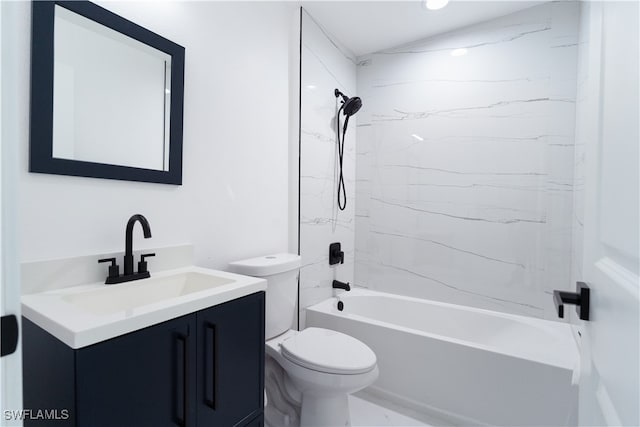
(182, 379)
(9, 334)
(211, 362)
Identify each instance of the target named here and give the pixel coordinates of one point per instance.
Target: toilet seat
(328, 351)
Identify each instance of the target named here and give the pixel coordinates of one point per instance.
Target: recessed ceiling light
(418, 137)
(435, 4)
(311, 87)
(459, 52)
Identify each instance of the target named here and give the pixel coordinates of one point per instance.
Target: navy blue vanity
(201, 369)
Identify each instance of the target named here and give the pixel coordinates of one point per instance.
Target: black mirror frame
(41, 121)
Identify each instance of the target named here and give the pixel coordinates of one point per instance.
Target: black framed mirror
(106, 96)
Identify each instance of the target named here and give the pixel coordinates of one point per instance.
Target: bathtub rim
(570, 362)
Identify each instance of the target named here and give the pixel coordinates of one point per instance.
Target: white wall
(234, 198)
(465, 163)
(325, 66)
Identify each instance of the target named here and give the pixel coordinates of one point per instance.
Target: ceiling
(370, 26)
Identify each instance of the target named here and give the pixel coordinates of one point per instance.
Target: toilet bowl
(324, 367)
(309, 374)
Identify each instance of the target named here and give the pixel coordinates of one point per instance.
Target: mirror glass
(111, 96)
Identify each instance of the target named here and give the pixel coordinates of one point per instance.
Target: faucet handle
(142, 265)
(114, 269)
(336, 255)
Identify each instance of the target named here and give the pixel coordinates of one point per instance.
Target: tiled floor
(367, 411)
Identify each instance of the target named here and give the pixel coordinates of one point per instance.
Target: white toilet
(308, 374)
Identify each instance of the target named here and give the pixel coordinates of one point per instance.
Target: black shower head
(350, 106)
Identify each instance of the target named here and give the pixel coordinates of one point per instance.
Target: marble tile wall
(465, 164)
(325, 66)
(584, 81)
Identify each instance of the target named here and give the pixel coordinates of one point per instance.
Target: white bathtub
(461, 364)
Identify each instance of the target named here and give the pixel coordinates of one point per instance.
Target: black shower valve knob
(336, 255)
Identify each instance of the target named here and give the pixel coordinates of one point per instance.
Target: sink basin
(114, 298)
(83, 315)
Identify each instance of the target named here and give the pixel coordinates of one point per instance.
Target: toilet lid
(329, 351)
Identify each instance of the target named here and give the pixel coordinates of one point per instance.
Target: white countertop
(65, 313)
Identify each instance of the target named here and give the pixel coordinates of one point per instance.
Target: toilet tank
(281, 273)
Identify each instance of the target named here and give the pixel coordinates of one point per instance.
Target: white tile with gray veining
(581, 141)
(465, 163)
(325, 67)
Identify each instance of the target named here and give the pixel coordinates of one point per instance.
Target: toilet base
(299, 396)
(283, 402)
(324, 411)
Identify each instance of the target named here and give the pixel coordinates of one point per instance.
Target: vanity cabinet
(139, 379)
(202, 369)
(231, 361)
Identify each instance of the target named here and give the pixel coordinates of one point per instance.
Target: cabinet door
(230, 357)
(144, 378)
(256, 422)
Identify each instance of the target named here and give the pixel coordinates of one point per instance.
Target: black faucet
(129, 275)
(128, 245)
(341, 285)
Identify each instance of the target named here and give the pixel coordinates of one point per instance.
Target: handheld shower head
(350, 106)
